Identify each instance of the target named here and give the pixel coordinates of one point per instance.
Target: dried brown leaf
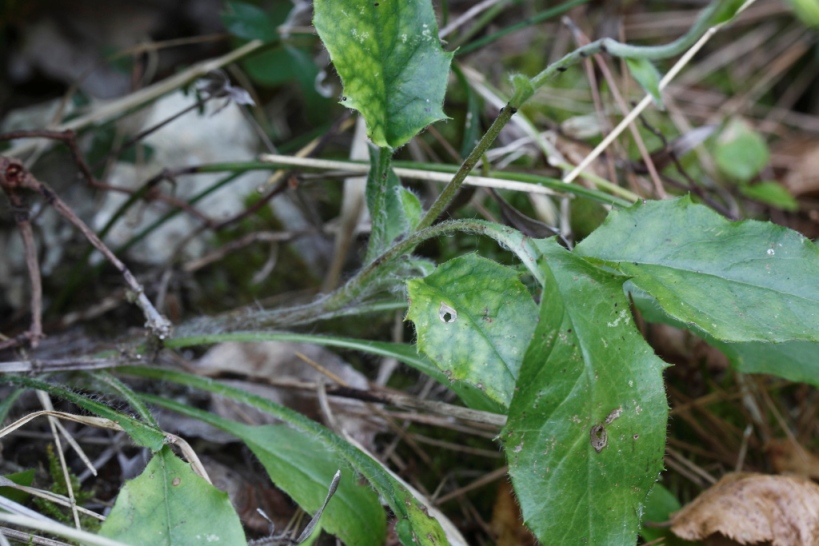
(507, 523)
(801, 162)
(753, 508)
(277, 360)
(788, 457)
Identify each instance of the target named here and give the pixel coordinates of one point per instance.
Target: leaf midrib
(712, 275)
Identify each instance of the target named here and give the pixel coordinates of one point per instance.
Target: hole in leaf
(599, 437)
(447, 313)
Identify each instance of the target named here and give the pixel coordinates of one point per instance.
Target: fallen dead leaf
(788, 457)
(247, 494)
(507, 523)
(278, 360)
(750, 508)
(800, 160)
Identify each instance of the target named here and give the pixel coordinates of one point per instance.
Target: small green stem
(705, 20)
(356, 288)
(377, 188)
(357, 285)
(525, 88)
(451, 189)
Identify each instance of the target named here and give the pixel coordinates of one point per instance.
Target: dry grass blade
(45, 400)
(146, 95)
(54, 528)
(647, 100)
(101, 422)
(415, 174)
(49, 496)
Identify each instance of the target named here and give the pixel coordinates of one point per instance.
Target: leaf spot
(176, 481)
(622, 316)
(615, 413)
(447, 313)
(598, 437)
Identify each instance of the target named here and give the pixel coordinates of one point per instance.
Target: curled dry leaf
(753, 508)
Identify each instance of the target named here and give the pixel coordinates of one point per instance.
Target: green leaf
(736, 281)
(127, 394)
(142, 434)
(414, 524)
(522, 90)
(807, 11)
(25, 477)
(250, 22)
(390, 61)
(280, 65)
(474, 319)
(645, 73)
(7, 402)
(586, 429)
(303, 467)
(413, 211)
(169, 504)
(384, 203)
(472, 120)
(725, 10)
(792, 360)
(659, 505)
(741, 153)
(771, 193)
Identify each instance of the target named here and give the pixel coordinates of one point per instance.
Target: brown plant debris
(789, 457)
(751, 508)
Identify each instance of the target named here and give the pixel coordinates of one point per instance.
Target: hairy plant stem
(377, 200)
(451, 189)
(335, 303)
(358, 285)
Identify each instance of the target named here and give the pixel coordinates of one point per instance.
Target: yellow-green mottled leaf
(474, 319)
(390, 61)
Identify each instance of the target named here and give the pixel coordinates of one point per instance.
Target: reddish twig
(14, 178)
(70, 139)
(35, 333)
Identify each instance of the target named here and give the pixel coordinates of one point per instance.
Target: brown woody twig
(13, 178)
